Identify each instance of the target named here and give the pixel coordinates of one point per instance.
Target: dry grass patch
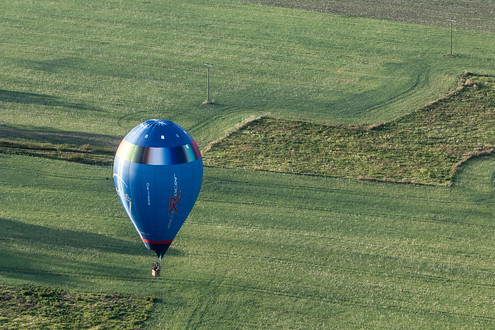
(425, 147)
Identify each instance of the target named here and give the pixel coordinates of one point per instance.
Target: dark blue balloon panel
(157, 173)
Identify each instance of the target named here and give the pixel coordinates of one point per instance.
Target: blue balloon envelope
(157, 173)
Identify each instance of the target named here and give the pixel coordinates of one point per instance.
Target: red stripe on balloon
(156, 242)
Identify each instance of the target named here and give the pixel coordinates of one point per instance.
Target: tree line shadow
(40, 99)
(26, 257)
(36, 253)
(32, 234)
(50, 135)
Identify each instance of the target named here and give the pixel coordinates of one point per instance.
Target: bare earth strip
(469, 14)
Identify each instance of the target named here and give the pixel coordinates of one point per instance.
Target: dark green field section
(263, 249)
(29, 306)
(85, 153)
(424, 147)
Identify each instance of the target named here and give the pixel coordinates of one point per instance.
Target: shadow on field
(40, 99)
(44, 269)
(56, 64)
(37, 253)
(41, 134)
(35, 235)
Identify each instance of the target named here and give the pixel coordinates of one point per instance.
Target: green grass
(262, 249)
(426, 146)
(41, 307)
(101, 68)
(259, 250)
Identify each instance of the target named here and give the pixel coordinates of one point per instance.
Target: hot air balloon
(157, 173)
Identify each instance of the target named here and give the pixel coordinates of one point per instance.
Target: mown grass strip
(85, 153)
(424, 147)
(34, 306)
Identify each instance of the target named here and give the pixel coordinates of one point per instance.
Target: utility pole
(208, 66)
(451, 25)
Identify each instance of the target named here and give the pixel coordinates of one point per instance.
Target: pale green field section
(102, 67)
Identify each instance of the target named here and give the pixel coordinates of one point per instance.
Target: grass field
(29, 306)
(426, 146)
(99, 69)
(259, 250)
(263, 250)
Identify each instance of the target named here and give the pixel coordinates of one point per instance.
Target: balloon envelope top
(157, 173)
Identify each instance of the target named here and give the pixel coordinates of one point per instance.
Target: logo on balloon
(172, 205)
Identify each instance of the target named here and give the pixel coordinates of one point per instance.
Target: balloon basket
(155, 270)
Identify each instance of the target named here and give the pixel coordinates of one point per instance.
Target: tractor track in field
(311, 293)
(433, 219)
(336, 300)
(126, 276)
(379, 273)
(328, 190)
(421, 79)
